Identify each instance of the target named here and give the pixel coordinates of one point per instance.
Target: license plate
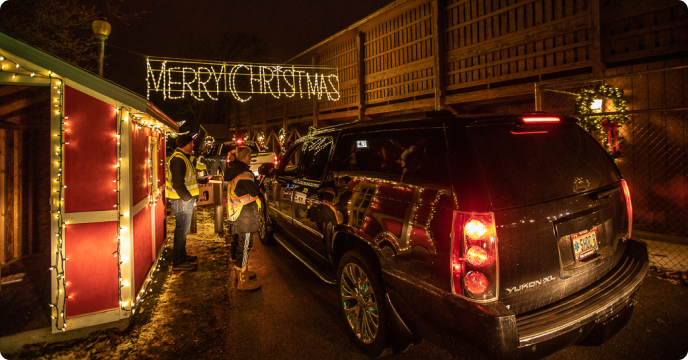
(584, 244)
(299, 197)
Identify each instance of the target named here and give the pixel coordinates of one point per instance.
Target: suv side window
(316, 154)
(290, 166)
(408, 155)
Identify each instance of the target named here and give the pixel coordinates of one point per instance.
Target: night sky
(175, 28)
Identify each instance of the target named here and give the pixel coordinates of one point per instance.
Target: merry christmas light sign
(177, 79)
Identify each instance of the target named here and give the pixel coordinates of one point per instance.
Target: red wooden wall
(89, 170)
(91, 270)
(91, 155)
(143, 247)
(139, 162)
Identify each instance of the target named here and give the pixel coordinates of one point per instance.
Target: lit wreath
(261, 140)
(606, 125)
(281, 139)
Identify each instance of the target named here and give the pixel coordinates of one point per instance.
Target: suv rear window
(524, 168)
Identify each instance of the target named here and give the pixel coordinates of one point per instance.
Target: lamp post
(101, 28)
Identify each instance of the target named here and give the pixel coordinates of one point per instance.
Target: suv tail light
(629, 206)
(541, 120)
(475, 261)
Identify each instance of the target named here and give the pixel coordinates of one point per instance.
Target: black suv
(509, 232)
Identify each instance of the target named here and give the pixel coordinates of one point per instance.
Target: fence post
(438, 51)
(538, 97)
(360, 44)
(217, 202)
(596, 55)
(314, 62)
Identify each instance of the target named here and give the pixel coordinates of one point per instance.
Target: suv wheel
(361, 297)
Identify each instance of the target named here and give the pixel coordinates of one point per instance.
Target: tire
(328, 231)
(360, 287)
(264, 234)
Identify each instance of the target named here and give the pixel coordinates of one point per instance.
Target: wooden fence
(470, 55)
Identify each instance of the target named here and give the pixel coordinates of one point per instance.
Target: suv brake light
(629, 206)
(541, 120)
(475, 260)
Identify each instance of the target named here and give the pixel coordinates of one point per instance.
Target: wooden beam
(8, 126)
(438, 53)
(3, 177)
(598, 65)
(360, 45)
(314, 61)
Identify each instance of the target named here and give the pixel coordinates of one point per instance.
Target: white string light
(261, 79)
(59, 267)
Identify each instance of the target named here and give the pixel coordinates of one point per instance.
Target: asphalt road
(657, 330)
(200, 315)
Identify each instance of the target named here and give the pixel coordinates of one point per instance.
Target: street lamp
(101, 28)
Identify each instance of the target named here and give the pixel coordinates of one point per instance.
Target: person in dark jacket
(182, 192)
(243, 213)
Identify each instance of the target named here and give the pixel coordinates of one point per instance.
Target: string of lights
(118, 253)
(275, 80)
(59, 263)
(14, 68)
(154, 196)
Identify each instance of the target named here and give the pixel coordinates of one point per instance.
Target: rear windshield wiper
(604, 193)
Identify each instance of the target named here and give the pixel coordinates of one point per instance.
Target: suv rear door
(552, 188)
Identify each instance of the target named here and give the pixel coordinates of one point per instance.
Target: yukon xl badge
(529, 285)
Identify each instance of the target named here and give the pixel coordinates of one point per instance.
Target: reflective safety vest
(200, 165)
(189, 179)
(236, 203)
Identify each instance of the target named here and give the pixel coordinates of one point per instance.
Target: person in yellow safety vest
(243, 214)
(182, 191)
(198, 163)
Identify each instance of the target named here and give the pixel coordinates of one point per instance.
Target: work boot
(244, 283)
(251, 274)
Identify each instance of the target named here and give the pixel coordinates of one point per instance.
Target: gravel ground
(200, 315)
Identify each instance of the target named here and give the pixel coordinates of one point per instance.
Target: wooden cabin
(82, 176)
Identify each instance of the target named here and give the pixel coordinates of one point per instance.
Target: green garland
(593, 124)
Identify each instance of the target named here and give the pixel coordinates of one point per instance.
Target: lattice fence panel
(654, 152)
(399, 56)
(490, 41)
(344, 57)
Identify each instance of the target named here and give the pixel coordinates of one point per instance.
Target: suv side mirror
(266, 169)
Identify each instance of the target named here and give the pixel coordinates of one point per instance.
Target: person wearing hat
(182, 192)
(243, 214)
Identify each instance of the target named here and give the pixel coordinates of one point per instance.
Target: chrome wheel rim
(359, 303)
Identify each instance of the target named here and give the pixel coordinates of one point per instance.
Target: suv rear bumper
(606, 298)
(590, 316)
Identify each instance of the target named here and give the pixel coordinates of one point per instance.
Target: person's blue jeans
(183, 210)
